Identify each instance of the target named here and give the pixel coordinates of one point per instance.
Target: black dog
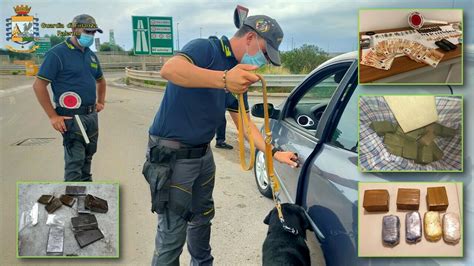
(282, 247)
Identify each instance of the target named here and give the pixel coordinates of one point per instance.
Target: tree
(55, 39)
(107, 47)
(15, 56)
(304, 59)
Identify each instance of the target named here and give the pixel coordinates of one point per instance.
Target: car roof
(347, 57)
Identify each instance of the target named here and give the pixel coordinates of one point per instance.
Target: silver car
(319, 121)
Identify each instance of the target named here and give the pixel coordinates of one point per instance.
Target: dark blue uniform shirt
(191, 115)
(70, 69)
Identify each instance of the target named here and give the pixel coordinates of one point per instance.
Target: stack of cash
(382, 55)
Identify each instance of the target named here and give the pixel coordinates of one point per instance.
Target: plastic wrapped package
(376, 200)
(413, 227)
(432, 221)
(55, 220)
(451, 228)
(55, 241)
(408, 199)
(437, 199)
(391, 230)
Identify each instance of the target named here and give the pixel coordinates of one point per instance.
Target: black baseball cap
(85, 21)
(269, 30)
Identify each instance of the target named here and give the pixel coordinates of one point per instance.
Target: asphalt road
(237, 233)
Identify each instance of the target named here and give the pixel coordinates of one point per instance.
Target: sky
(331, 25)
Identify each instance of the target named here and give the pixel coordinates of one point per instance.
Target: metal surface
(85, 238)
(76, 190)
(55, 241)
(53, 205)
(96, 204)
(272, 80)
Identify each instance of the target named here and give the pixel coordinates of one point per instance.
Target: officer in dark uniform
(220, 136)
(78, 87)
(180, 167)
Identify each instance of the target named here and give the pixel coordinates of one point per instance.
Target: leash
(243, 121)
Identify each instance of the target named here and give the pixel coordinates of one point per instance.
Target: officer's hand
(239, 78)
(58, 122)
(99, 107)
(287, 157)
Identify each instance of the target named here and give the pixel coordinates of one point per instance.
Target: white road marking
(12, 91)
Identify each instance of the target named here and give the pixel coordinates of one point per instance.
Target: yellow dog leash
(243, 122)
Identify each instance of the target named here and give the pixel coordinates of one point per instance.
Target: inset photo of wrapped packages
(73, 220)
(410, 133)
(410, 219)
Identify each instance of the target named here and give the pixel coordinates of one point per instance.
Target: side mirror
(258, 111)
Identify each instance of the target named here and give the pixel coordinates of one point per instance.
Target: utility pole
(177, 30)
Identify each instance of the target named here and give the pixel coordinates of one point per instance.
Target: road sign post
(152, 35)
(44, 44)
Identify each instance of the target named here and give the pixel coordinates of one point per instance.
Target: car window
(345, 135)
(308, 110)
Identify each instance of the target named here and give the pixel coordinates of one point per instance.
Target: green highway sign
(44, 44)
(152, 35)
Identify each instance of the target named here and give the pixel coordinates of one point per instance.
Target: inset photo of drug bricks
(410, 219)
(419, 133)
(73, 220)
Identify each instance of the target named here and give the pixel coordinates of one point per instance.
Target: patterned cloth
(373, 156)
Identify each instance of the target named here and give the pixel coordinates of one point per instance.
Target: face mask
(85, 40)
(257, 60)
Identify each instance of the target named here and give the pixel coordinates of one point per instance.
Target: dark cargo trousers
(78, 154)
(191, 186)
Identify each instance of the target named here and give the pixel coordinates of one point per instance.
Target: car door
(329, 185)
(296, 129)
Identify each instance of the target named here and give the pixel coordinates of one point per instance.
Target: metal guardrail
(12, 67)
(9, 69)
(120, 65)
(272, 80)
(123, 65)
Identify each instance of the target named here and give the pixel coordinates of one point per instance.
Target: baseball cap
(269, 30)
(85, 21)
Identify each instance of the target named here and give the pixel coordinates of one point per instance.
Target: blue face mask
(258, 59)
(85, 40)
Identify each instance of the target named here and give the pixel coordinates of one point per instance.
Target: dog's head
(294, 215)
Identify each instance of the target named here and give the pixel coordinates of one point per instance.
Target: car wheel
(260, 171)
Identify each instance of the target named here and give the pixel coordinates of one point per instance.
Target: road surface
(237, 233)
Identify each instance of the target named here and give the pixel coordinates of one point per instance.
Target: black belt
(183, 151)
(192, 153)
(82, 110)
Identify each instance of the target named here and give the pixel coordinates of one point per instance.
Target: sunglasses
(91, 32)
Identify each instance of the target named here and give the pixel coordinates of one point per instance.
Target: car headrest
(338, 76)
